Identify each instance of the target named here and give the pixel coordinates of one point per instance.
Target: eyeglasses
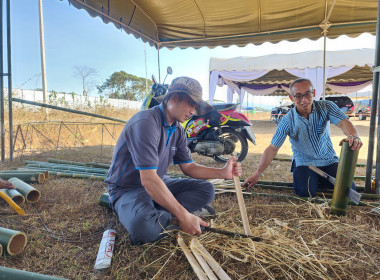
(308, 95)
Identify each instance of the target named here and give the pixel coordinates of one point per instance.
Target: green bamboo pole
(93, 164)
(104, 200)
(7, 273)
(40, 170)
(15, 195)
(73, 174)
(30, 177)
(23, 171)
(343, 180)
(289, 159)
(68, 167)
(290, 184)
(30, 193)
(50, 169)
(12, 241)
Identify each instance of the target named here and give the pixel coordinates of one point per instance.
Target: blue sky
(73, 38)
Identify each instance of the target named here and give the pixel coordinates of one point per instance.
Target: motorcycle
(219, 133)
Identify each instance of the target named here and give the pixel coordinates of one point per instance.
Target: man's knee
(144, 228)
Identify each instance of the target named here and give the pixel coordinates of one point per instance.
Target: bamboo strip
(210, 274)
(15, 195)
(13, 241)
(194, 264)
(1, 250)
(12, 204)
(31, 194)
(243, 210)
(210, 260)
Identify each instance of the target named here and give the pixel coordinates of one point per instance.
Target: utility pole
(42, 45)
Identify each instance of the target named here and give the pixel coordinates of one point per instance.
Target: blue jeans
(145, 220)
(306, 182)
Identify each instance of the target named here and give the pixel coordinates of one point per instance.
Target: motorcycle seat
(224, 106)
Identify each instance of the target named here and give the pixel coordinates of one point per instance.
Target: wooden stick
(189, 256)
(210, 260)
(210, 274)
(243, 210)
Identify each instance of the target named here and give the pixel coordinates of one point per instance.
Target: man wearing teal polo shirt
(144, 198)
(307, 126)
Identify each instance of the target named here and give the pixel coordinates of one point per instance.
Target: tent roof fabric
(211, 23)
(311, 59)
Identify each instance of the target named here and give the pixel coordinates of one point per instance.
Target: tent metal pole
(159, 66)
(9, 80)
(2, 85)
(324, 64)
(372, 125)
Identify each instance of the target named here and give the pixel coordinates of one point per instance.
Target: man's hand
(251, 180)
(353, 141)
(6, 185)
(191, 224)
(232, 168)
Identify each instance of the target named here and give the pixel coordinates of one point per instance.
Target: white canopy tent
(346, 71)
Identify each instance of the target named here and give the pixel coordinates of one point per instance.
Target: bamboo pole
(190, 258)
(15, 195)
(206, 268)
(66, 167)
(104, 200)
(12, 241)
(243, 210)
(11, 203)
(26, 170)
(30, 177)
(52, 170)
(93, 164)
(30, 193)
(343, 180)
(210, 260)
(7, 273)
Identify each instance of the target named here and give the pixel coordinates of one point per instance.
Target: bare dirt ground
(301, 239)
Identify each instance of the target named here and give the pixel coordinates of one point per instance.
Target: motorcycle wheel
(240, 145)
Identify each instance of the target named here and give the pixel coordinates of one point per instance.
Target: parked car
(344, 103)
(363, 109)
(277, 113)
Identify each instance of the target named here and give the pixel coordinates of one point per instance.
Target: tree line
(120, 85)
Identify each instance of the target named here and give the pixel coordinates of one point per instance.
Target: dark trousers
(306, 182)
(145, 220)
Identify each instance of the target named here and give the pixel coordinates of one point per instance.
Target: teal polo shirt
(146, 142)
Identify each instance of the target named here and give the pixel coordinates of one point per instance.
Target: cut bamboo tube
(343, 180)
(15, 195)
(210, 260)
(31, 194)
(206, 268)
(12, 204)
(243, 210)
(29, 177)
(190, 258)
(12, 241)
(104, 200)
(7, 273)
